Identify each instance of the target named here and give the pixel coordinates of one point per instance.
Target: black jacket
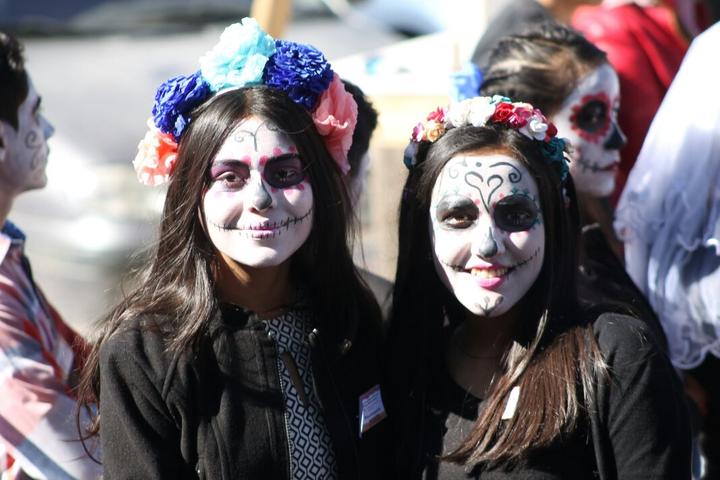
(218, 413)
(639, 427)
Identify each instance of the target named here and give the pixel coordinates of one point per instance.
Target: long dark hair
(541, 66)
(554, 357)
(179, 281)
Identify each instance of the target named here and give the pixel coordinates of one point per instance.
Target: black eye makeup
(284, 171)
(593, 116)
(515, 213)
(456, 211)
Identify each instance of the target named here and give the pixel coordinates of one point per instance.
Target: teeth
(488, 272)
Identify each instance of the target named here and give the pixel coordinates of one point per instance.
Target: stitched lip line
(268, 228)
(461, 268)
(594, 167)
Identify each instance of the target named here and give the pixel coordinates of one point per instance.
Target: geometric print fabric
(310, 445)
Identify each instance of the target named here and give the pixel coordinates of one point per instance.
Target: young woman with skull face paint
(496, 368)
(249, 344)
(559, 71)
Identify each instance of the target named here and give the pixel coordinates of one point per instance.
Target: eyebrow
(234, 161)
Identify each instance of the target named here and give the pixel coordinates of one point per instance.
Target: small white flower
(457, 114)
(481, 109)
(535, 128)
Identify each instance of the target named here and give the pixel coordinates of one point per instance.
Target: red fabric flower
(503, 111)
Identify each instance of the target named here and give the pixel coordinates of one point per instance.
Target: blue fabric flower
(239, 57)
(299, 70)
(554, 152)
(466, 82)
(175, 99)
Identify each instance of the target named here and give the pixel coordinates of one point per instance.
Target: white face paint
(588, 118)
(24, 152)
(259, 205)
(487, 231)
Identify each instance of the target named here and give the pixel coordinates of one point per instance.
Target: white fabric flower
(535, 128)
(457, 114)
(481, 109)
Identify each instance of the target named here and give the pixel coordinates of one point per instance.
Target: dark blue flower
(175, 99)
(554, 152)
(299, 70)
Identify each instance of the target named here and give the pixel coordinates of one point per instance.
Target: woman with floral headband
(496, 369)
(248, 348)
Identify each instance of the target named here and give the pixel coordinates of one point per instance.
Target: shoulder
(139, 351)
(629, 346)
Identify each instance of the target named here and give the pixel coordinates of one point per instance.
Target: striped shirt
(38, 354)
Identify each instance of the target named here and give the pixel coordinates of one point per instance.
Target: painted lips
(490, 278)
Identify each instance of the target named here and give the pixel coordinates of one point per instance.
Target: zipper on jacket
(339, 399)
(271, 337)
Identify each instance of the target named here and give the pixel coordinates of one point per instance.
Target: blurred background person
(359, 160)
(645, 45)
(517, 16)
(669, 218)
(561, 72)
(40, 355)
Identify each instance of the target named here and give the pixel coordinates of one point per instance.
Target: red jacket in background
(645, 46)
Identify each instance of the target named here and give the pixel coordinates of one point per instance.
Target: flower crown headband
(482, 111)
(245, 56)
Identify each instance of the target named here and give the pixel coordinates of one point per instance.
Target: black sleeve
(139, 437)
(643, 427)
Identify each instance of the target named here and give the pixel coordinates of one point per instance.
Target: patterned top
(38, 352)
(312, 455)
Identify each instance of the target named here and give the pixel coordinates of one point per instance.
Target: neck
(485, 337)
(562, 10)
(260, 290)
(5, 206)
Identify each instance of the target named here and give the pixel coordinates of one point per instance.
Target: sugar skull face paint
(588, 118)
(24, 151)
(258, 208)
(487, 231)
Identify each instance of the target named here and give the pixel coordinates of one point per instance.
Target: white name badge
(372, 410)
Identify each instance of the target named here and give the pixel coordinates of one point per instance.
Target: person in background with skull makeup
(40, 355)
(558, 70)
(249, 348)
(495, 366)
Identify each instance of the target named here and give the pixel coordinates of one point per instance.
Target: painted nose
(260, 198)
(47, 128)
(616, 140)
(485, 245)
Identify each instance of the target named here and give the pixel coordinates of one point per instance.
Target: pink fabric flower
(155, 160)
(335, 118)
(438, 115)
(520, 116)
(418, 133)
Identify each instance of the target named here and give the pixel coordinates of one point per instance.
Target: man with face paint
(39, 354)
